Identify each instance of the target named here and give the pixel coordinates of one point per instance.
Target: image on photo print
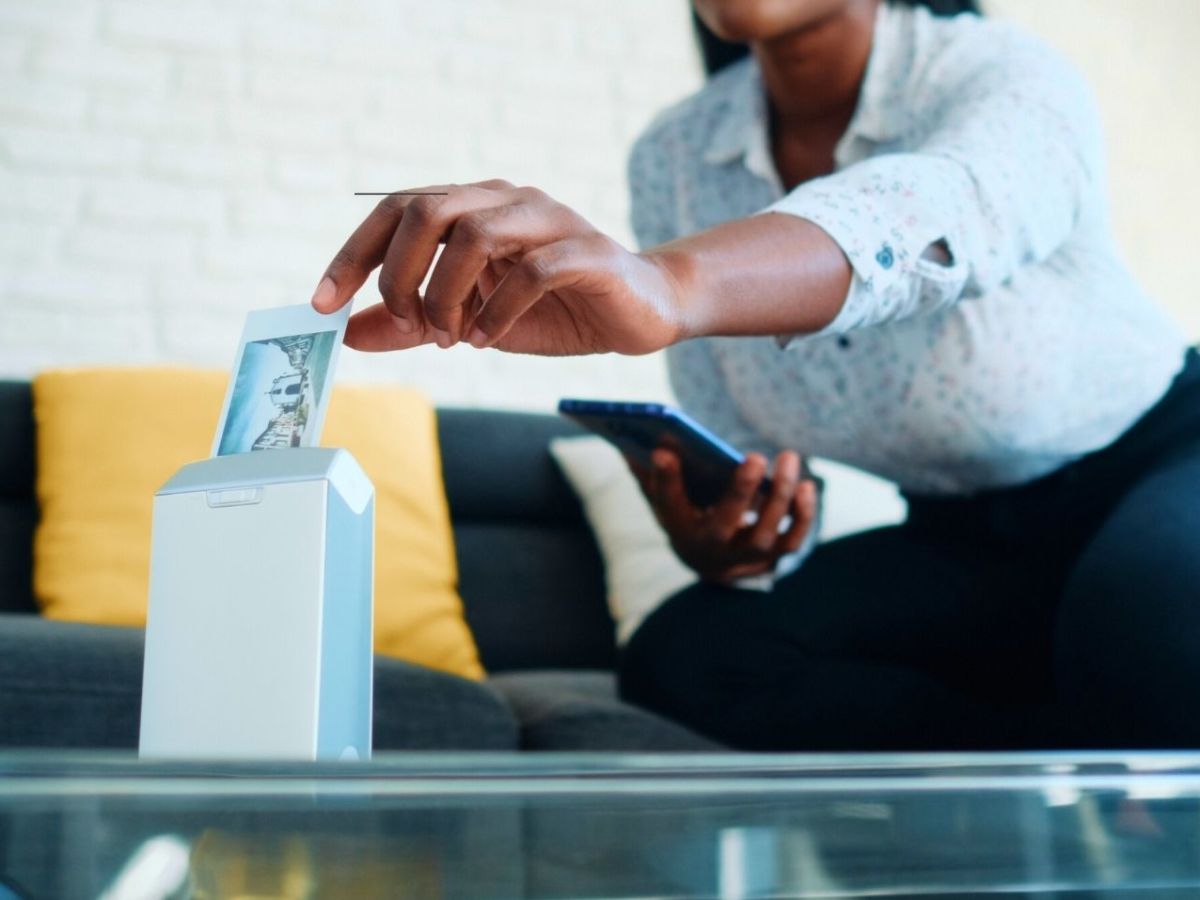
(279, 385)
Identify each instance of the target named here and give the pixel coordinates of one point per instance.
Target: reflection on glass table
(426, 825)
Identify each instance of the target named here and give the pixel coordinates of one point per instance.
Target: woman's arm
(524, 273)
(765, 275)
(735, 278)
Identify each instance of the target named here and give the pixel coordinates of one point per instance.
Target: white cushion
(639, 565)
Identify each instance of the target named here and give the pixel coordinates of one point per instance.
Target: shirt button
(844, 342)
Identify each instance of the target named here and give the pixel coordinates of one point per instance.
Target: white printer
(259, 632)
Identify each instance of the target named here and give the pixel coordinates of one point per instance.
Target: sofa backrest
(18, 507)
(529, 571)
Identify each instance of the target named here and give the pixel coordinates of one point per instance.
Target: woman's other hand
(719, 542)
(520, 272)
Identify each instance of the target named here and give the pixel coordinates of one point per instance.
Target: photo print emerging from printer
(280, 386)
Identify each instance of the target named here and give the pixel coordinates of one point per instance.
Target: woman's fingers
(506, 249)
(744, 570)
(545, 268)
(472, 244)
(714, 541)
(527, 219)
(804, 514)
(727, 516)
(764, 534)
(671, 503)
(644, 476)
(549, 267)
(364, 251)
(426, 222)
(480, 225)
(375, 329)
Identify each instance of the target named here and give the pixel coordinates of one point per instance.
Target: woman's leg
(1127, 655)
(892, 639)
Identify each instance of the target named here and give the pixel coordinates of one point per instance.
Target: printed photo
(280, 385)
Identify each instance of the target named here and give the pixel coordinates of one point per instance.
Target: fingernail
(325, 294)
(403, 325)
(477, 337)
(442, 338)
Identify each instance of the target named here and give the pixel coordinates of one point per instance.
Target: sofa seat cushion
(580, 710)
(67, 684)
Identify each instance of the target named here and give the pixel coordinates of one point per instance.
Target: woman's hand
(520, 272)
(717, 542)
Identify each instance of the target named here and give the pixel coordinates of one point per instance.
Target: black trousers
(1060, 613)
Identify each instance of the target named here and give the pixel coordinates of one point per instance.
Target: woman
(880, 238)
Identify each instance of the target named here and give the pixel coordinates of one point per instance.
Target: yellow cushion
(109, 438)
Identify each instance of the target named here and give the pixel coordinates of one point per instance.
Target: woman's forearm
(768, 274)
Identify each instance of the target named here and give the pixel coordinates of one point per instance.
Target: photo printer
(259, 632)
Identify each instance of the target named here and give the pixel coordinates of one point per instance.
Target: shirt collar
(742, 129)
(743, 118)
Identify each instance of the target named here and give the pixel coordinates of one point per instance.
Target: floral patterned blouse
(1030, 348)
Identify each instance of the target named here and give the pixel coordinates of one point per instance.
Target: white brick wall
(166, 165)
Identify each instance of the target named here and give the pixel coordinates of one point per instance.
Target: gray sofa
(530, 576)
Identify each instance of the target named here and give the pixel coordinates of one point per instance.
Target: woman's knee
(1128, 636)
(670, 660)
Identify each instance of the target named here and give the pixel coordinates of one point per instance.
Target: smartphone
(638, 429)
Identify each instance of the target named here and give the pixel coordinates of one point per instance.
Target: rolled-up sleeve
(1006, 154)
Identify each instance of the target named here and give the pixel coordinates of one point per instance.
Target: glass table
(550, 826)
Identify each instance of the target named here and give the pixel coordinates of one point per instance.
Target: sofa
(531, 580)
